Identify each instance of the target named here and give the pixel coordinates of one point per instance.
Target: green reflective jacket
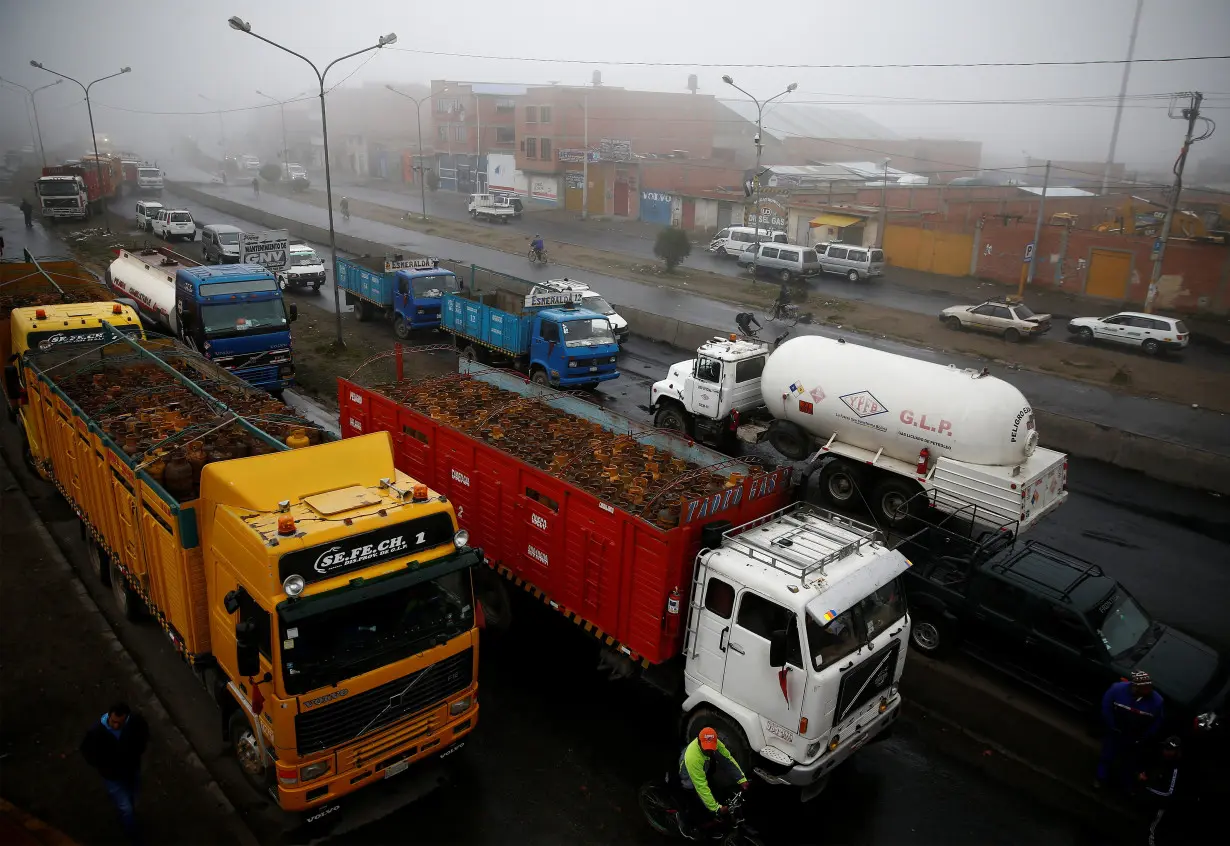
(694, 771)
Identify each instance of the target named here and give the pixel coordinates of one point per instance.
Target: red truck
(74, 191)
(646, 540)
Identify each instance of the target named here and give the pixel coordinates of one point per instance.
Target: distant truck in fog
(297, 175)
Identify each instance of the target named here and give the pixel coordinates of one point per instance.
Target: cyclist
(783, 300)
(345, 208)
(706, 759)
(744, 321)
(538, 247)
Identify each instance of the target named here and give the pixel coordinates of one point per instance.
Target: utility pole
(1033, 258)
(585, 166)
(883, 206)
(1191, 114)
(1123, 84)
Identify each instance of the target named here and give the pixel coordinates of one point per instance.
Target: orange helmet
(708, 739)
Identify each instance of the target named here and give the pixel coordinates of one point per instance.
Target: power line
(863, 66)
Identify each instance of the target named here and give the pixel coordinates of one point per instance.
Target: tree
(271, 172)
(433, 179)
(672, 246)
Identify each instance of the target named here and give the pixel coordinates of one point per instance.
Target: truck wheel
(672, 417)
(839, 483)
(895, 500)
(126, 599)
(401, 329)
(99, 564)
(365, 311)
(540, 377)
(728, 732)
(245, 746)
(788, 439)
(931, 634)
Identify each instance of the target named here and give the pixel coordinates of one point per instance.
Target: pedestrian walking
(27, 211)
(114, 746)
(1132, 714)
(256, 186)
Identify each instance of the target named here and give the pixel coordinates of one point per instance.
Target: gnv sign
(267, 249)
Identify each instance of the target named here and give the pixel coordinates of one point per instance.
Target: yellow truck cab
(322, 597)
(346, 584)
(46, 326)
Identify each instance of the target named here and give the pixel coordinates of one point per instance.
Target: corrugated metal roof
(790, 120)
(1058, 191)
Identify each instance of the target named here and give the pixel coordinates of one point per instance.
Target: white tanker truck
(881, 428)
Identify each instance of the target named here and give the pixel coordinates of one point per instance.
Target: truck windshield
(593, 302)
(347, 641)
(149, 172)
(433, 286)
(1120, 622)
(587, 333)
(830, 641)
(58, 188)
(229, 319)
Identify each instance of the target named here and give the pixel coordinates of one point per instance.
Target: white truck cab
(705, 396)
(149, 179)
(591, 300)
(796, 642)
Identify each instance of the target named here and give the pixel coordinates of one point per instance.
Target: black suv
(1053, 620)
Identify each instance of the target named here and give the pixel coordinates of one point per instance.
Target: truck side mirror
(12, 382)
(294, 312)
(777, 648)
(247, 652)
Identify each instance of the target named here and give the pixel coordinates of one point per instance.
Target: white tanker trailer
(881, 428)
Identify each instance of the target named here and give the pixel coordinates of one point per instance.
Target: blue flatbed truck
(544, 335)
(406, 291)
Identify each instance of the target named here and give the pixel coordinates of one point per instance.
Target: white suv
(174, 223)
(1151, 332)
(593, 301)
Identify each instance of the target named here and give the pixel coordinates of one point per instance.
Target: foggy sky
(182, 50)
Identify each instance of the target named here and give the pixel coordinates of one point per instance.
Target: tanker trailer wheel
(839, 483)
(672, 417)
(790, 440)
(894, 501)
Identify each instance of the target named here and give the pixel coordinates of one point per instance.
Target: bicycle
(537, 256)
(661, 802)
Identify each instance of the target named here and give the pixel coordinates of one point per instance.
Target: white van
(851, 261)
(733, 240)
(146, 209)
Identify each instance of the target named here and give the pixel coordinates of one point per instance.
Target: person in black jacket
(114, 746)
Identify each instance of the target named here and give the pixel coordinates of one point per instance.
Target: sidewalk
(62, 667)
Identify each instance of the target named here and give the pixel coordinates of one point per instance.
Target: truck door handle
(848, 666)
(737, 648)
(722, 639)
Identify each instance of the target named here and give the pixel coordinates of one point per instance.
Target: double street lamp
(418, 113)
(240, 25)
(759, 134)
(94, 138)
(34, 105)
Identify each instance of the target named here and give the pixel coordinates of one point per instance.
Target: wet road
(1156, 418)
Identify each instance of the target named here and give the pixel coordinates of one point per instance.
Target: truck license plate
(593, 370)
(399, 767)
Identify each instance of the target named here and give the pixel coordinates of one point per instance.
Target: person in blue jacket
(1132, 714)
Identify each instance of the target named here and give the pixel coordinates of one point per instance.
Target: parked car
(304, 269)
(1052, 620)
(733, 240)
(220, 243)
(1011, 320)
(851, 261)
(785, 261)
(146, 209)
(173, 223)
(1150, 332)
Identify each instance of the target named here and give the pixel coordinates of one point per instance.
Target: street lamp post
(759, 143)
(883, 206)
(418, 113)
(282, 109)
(239, 25)
(34, 105)
(94, 138)
(221, 126)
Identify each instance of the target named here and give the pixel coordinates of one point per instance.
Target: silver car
(785, 261)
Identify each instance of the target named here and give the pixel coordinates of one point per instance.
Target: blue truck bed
(493, 327)
(406, 290)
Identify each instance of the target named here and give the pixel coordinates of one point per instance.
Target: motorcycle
(661, 802)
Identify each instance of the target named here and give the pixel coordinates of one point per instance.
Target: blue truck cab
(406, 291)
(234, 314)
(543, 334)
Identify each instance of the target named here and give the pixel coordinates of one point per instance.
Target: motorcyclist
(706, 764)
(537, 246)
(345, 208)
(744, 321)
(27, 211)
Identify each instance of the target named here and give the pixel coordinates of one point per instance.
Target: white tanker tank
(880, 401)
(148, 278)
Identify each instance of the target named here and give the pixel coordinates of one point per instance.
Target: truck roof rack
(813, 538)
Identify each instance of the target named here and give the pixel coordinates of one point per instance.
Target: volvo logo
(328, 697)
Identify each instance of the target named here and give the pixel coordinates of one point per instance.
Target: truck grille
(60, 203)
(339, 723)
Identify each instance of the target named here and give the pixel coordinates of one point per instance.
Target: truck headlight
(293, 586)
(462, 539)
(813, 748)
(315, 770)
(572, 363)
(286, 370)
(459, 707)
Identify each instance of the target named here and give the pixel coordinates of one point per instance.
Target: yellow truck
(322, 596)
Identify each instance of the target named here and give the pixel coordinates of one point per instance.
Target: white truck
(882, 429)
(491, 207)
(149, 180)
